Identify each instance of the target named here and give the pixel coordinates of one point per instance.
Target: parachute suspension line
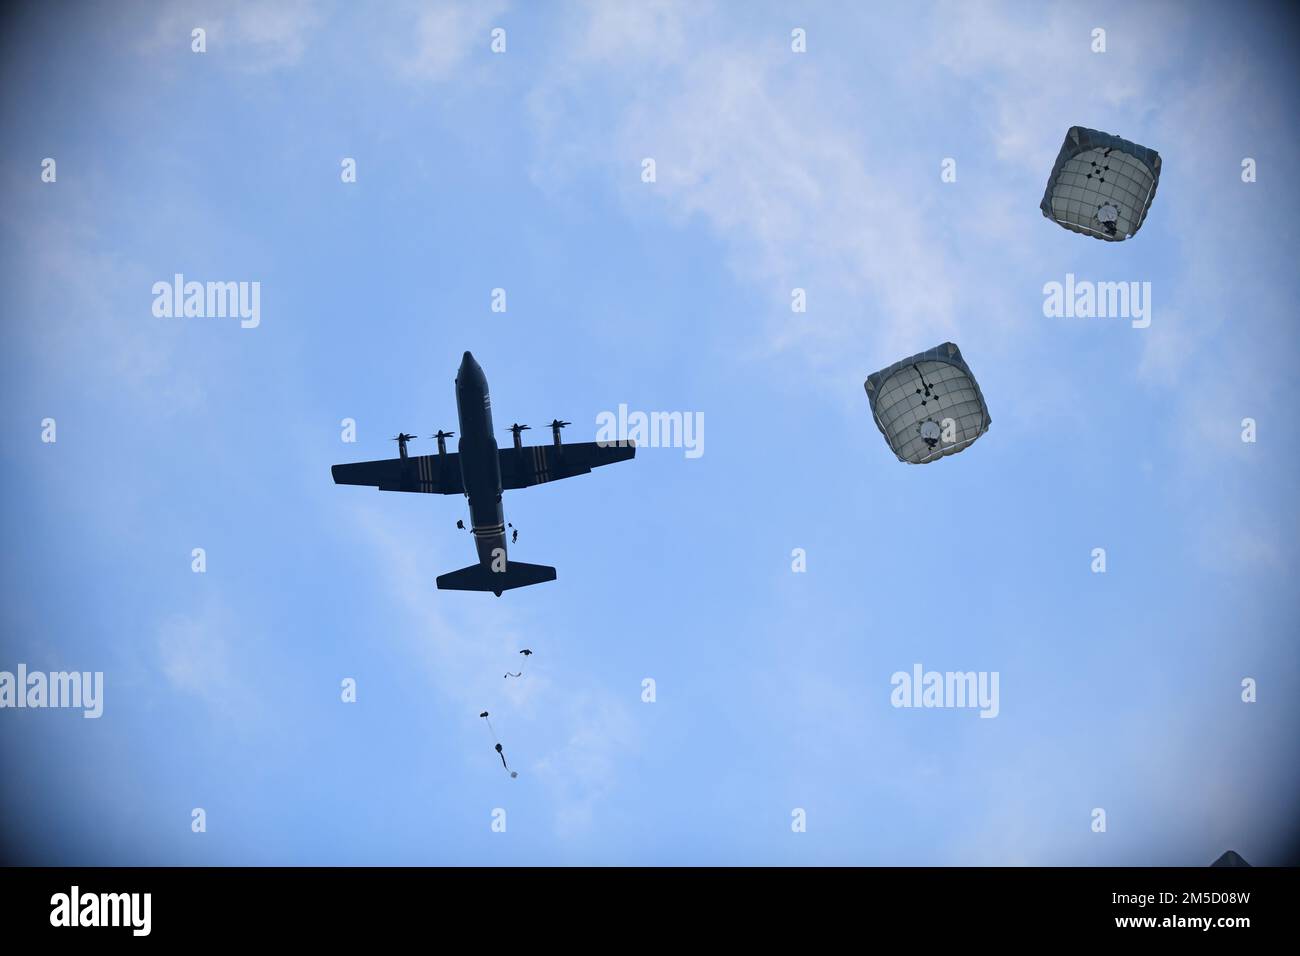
(497, 741)
(928, 387)
(485, 716)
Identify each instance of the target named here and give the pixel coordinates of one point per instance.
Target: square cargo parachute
(1101, 186)
(929, 405)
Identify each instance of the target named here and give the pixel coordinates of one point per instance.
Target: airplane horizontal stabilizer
(480, 577)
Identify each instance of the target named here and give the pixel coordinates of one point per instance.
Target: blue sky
(522, 171)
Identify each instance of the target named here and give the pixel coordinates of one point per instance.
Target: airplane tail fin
(480, 577)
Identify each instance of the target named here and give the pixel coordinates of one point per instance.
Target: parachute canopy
(929, 405)
(1101, 186)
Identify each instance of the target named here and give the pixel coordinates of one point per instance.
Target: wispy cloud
(92, 309)
(586, 768)
(444, 36)
(207, 654)
(250, 36)
(759, 153)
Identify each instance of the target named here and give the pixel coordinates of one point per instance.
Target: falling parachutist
(513, 774)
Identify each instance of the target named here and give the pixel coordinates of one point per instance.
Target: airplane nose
(469, 365)
(470, 372)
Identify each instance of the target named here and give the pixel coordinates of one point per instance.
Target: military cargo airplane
(481, 472)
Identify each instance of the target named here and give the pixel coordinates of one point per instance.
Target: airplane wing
(536, 464)
(430, 474)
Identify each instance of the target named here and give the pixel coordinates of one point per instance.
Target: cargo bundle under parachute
(929, 405)
(1101, 186)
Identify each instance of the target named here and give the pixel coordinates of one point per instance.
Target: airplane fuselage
(480, 463)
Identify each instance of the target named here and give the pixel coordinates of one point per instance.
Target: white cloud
(652, 30)
(252, 36)
(211, 655)
(94, 315)
(1036, 72)
(765, 160)
(585, 769)
(446, 34)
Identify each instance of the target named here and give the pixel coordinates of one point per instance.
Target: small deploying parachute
(1101, 186)
(929, 405)
(527, 653)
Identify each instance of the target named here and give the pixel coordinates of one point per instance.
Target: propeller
(401, 439)
(442, 437)
(516, 429)
(556, 425)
